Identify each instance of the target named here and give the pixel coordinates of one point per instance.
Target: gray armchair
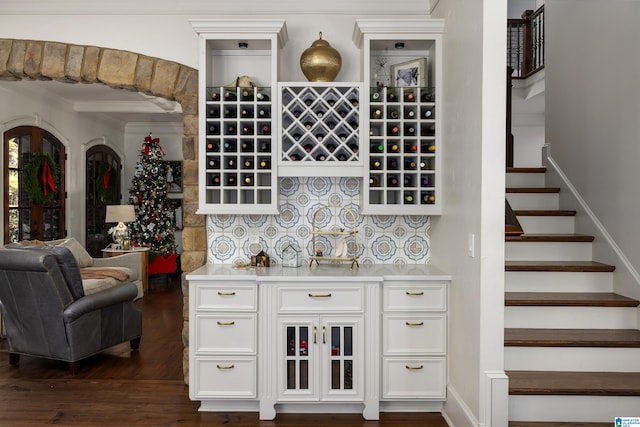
(47, 314)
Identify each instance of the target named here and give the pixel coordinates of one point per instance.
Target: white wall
(592, 68)
(21, 104)
(473, 204)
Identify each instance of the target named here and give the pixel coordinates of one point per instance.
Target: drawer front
(320, 299)
(419, 334)
(414, 378)
(407, 296)
(220, 297)
(224, 377)
(232, 333)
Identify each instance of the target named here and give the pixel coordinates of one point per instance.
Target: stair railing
(525, 43)
(509, 136)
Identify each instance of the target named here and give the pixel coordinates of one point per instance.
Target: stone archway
(45, 60)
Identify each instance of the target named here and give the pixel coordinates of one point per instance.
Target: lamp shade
(120, 213)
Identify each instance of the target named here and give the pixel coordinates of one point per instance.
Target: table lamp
(120, 214)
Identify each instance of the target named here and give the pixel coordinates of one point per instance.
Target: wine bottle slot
(261, 96)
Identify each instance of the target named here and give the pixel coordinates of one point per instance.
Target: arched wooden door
(104, 172)
(24, 220)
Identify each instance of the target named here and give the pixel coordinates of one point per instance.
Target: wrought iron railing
(525, 43)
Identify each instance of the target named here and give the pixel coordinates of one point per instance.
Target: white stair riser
(548, 251)
(524, 180)
(571, 317)
(557, 281)
(529, 201)
(590, 359)
(572, 408)
(547, 224)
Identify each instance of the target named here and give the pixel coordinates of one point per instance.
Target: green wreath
(41, 178)
(107, 182)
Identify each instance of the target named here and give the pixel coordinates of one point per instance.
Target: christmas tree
(155, 215)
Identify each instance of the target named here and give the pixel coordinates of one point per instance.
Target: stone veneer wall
(45, 60)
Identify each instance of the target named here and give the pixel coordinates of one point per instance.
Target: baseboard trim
(456, 412)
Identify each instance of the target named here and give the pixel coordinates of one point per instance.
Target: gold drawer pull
(414, 324)
(414, 294)
(226, 294)
(226, 323)
(319, 295)
(414, 368)
(226, 366)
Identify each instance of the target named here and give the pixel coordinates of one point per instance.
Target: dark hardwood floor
(142, 388)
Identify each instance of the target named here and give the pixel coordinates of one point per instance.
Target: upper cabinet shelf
(238, 164)
(402, 68)
(385, 128)
(320, 127)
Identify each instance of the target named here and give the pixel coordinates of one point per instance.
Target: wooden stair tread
(542, 212)
(569, 299)
(574, 383)
(527, 170)
(550, 238)
(525, 337)
(557, 424)
(567, 266)
(532, 190)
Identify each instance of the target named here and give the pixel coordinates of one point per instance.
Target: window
(103, 188)
(24, 220)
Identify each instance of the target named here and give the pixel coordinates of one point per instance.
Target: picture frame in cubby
(173, 171)
(411, 73)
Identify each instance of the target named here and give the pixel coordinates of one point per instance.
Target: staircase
(572, 346)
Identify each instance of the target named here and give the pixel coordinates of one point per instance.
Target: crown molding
(201, 7)
(242, 26)
(398, 26)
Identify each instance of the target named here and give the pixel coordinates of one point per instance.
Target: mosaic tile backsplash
(381, 239)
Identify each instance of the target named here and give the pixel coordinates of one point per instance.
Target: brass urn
(320, 62)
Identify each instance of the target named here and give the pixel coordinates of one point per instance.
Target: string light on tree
(155, 214)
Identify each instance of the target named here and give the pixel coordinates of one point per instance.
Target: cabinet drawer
(224, 377)
(419, 378)
(420, 334)
(320, 299)
(232, 333)
(406, 296)
(221, 297)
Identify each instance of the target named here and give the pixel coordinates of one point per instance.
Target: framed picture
(410, 74)
(173, 170)
(177, 207)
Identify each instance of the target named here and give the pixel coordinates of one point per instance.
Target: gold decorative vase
(320, 62)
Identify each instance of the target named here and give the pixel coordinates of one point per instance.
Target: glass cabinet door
(342, 357)
(297, 358)
(321, 358)
(297, 348)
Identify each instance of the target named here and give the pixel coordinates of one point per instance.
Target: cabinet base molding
(229, 405)
(411, 406)
(221, 405)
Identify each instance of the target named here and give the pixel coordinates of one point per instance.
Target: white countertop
(342, 272)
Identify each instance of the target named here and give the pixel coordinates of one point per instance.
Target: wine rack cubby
(402, 146)
(320, 125)
(239, 146)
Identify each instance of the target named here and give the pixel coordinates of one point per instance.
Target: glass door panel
(341, 357)
(297, 358)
